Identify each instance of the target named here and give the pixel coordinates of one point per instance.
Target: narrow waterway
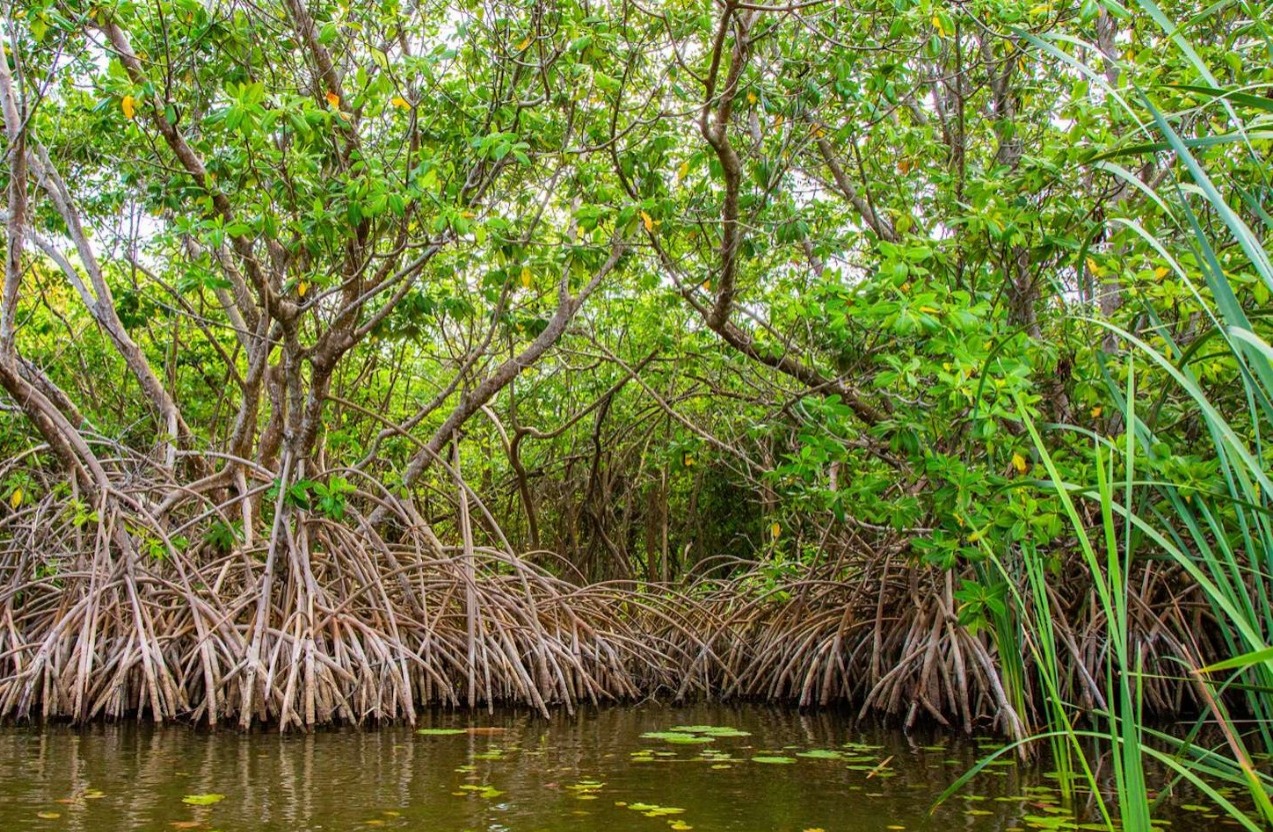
(653, 767)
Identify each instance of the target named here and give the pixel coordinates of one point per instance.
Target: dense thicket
(359, 356)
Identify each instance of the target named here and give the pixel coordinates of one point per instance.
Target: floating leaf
(821, 754)
(484, 792)
(711, 730)
(773, 761)
(202, 799)
(653, 810)
(440, 732)
(48, 815)
(676, 737)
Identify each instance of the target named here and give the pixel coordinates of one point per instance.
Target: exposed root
(322, 624)
(106, 612)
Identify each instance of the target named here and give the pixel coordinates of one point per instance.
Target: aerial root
(109, 617)
(104, 614)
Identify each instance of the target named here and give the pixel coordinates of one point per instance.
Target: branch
(472, 401)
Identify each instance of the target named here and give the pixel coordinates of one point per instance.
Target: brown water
(519, 773)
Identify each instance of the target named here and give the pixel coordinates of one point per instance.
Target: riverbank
(329, 623)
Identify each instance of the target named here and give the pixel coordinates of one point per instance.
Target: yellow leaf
(906, 287)
(688, 460)
(1018, 462)
(751, 98)
(1161, 272)
(129, 105)
(648, 221)
(525, 42)
(975, 536)
(48, 815)
(775, 530)
(333, 100)
(1096, 412)
(526, 276)
(301, 289)
(400, 102)
(1093, 268)
(15, 499)
(683, 170)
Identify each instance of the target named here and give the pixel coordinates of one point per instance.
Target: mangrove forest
(395, 365)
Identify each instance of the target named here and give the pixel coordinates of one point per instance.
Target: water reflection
(588, 771)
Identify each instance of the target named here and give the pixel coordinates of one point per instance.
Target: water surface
(517, 772)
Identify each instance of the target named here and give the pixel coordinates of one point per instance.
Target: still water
(616, 769)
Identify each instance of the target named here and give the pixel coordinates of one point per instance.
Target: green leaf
(202, 799)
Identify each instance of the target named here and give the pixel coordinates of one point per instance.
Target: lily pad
(202, 799)
(484, 792)
(711, 730)
(676, 737)
(821, 754)
(653, 810)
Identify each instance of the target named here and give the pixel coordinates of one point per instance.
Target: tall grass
(1221, 537)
